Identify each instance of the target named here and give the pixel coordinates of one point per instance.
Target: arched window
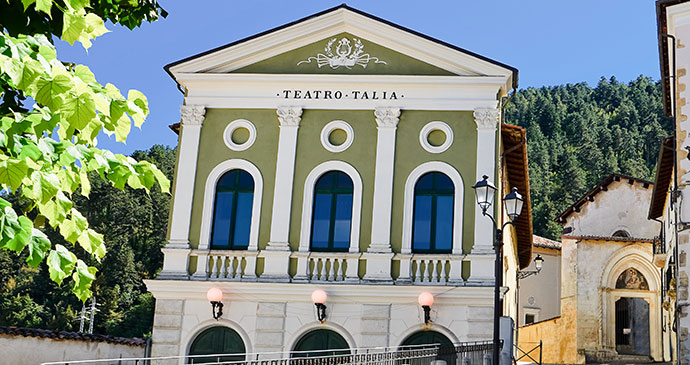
(315, 343)
(621, 233)
(217, 340)
(432, 228)
(446, 350)
(232, 215)
(332, 212)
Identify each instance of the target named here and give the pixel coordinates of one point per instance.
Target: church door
(632, 326)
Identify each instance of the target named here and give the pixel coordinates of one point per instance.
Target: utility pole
(81, 318)
(93, 314)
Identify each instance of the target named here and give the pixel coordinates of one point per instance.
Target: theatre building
(332, 159)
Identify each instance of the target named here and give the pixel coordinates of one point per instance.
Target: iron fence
(465, 353)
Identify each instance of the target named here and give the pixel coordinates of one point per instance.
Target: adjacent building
(611, 307)
(671, 190)
(337, 152)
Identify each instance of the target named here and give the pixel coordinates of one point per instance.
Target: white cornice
(327, 25)
(412, 92)
(301, 292)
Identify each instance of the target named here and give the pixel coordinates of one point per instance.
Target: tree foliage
(578, 135)
(48, 149)
(134, 225)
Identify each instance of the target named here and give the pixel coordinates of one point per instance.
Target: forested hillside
(577, 135)
(134, 225)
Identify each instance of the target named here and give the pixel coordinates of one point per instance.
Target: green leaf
(122, 127)
(162, 179)
(46, 185)
(50, 92)
(72, 228)
(83, 277)
(61, 263)
(85, 183)
(27, 3)
(80, 110)
(92, 242)
(12, 172)
(138, 99)
(39, 244)
(44, 6)
(84, 74)
(73, 25)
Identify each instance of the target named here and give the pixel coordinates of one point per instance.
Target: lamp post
(215, 297)
(538, 264)
(426, 300)
(319, 297)
(484, 191)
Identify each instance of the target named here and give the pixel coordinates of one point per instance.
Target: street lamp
(215, 296)
(538, 264)
(484, 191)
(319, 297)
(426, 300)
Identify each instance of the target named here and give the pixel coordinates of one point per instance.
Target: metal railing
(530, 354)
(466, 353)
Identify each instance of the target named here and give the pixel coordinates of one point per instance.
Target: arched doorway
(445, 345)
(316, 342)
(632, 316)
(217, 340)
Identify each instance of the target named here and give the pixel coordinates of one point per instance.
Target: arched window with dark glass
(221, 341)
(232, 212)
(432, 227)
(332, 212)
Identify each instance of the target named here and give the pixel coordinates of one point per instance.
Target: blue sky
(550, 42)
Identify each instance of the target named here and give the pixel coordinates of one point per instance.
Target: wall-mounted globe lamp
(319, 298)
(426, 299)
(215, 296)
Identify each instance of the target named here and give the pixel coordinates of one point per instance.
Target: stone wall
(18, 349)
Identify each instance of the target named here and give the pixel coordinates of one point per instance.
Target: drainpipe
(662, 238)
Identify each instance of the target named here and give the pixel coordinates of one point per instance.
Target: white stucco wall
(623, 206)
(271, 317)
(544, 289)
(678, 21)
(19, 350)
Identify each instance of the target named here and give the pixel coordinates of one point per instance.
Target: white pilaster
(378, 256)
(177, 249)
(277, 254)
(487, 121)
(387, 121)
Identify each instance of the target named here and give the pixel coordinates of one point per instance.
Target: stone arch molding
(308, 202)
(630, 256)
(454, 175)
(329, 325)
(222, 322)
(209, 197)
(637, 256)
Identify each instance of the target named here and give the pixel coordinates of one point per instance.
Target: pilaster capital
(387, 117)
(289, 115)
(192, 114)
(486, 118)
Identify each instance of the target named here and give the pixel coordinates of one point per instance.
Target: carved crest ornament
(346, 55)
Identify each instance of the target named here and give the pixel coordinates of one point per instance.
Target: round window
(337, 136)
(239, 135)
(436, 137)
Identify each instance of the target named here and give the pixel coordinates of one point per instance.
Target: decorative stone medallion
(347, 54)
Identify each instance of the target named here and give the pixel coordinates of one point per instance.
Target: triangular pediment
(344, 53)
(343, 40)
